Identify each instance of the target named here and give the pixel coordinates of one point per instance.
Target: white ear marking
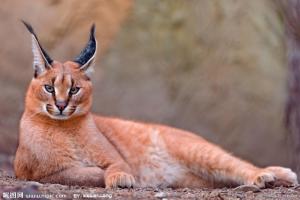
(41, 60)
(88, 67)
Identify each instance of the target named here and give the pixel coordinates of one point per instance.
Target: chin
(59, 117)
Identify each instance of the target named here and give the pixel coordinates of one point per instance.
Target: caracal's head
(61, 90)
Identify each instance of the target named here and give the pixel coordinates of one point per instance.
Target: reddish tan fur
(91, 150)
(76, 147)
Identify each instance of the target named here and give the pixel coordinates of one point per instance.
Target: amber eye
(49, 88)
(74, 90)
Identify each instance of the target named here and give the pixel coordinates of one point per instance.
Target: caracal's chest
(157, 166)
(54, 145)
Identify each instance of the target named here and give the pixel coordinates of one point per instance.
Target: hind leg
(213, 164)
(275, 176)
(83, 176)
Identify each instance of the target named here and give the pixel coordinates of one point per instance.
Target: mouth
(59, 115)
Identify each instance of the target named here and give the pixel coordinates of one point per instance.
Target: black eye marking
(49, 88)
(74, 90)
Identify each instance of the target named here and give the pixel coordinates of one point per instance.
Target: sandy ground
(10, 188)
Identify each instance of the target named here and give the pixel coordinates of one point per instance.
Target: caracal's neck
(73, 122)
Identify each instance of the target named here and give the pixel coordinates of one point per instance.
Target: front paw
(274, 176)
(120, 179)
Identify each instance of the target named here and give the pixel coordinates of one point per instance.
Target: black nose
(61, 105)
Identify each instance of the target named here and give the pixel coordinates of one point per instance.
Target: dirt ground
(10, 188)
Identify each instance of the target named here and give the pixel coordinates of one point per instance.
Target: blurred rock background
(214, 67)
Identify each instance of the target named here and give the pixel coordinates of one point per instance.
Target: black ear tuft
(89, 51)
(30, 29)
(92, 33)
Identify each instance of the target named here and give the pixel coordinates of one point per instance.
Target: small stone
(214, 193)
(296, 187)
(247, 188)
(160, 195)
(34, 183)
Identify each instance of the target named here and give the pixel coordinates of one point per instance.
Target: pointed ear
(41, 60)
(86, 58)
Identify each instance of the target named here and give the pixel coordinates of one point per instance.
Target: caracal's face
(62, 92)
